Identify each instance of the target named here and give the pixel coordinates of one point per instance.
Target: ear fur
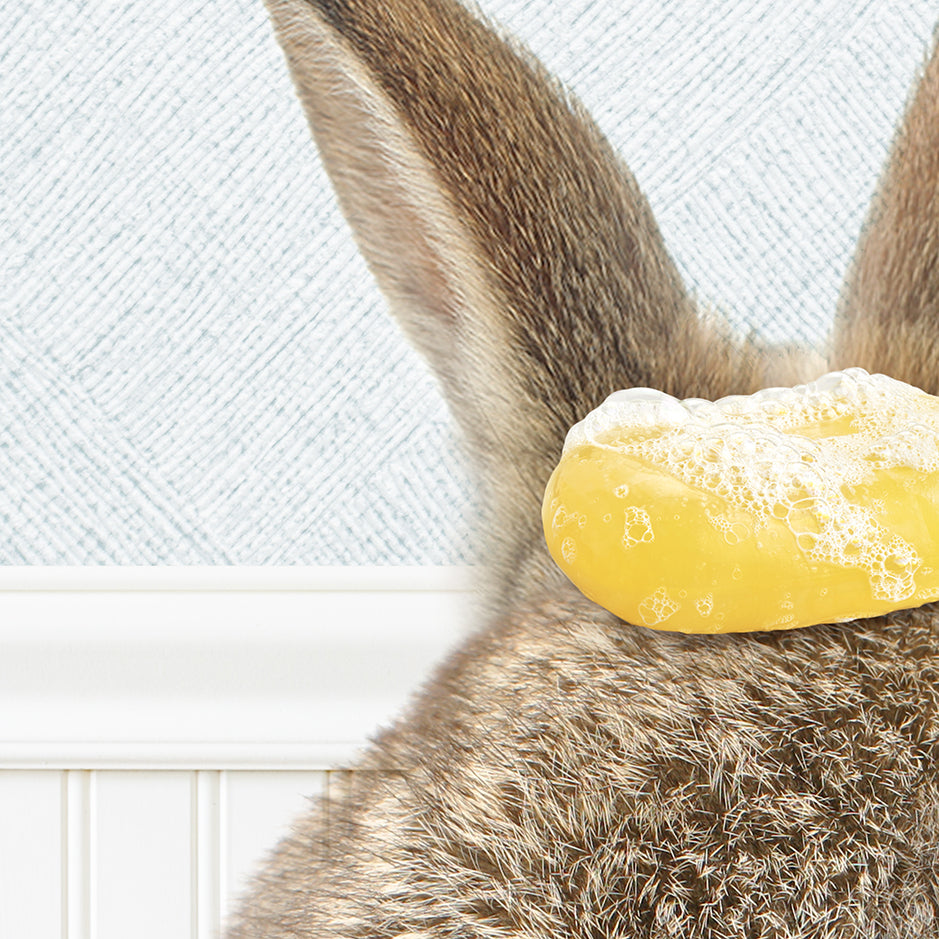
(888, 318)
(512, 244)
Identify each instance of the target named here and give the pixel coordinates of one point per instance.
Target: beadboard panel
(161, 728)
(258, 809)
(102, 854)
(143, 866)
(32, 854)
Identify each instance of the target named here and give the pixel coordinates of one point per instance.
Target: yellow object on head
(786, 508)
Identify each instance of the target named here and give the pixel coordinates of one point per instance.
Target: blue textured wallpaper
(194, 364)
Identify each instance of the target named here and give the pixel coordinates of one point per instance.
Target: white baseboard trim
(215, 668)
(208, 579)
(246, 755)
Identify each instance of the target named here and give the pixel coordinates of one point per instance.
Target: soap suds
(638, 527)
(657, 607)
(786, 454)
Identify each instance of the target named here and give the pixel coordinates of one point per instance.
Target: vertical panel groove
(206, 855)
(79, 856)
(64, 854)
(92, 830)
(224, 847)
(195, 878)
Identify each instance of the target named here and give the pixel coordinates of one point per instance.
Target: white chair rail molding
(160, 726)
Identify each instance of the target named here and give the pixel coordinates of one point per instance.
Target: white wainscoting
(160, 727)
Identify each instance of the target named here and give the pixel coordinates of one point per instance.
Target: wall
(195, 366)
(159, 727)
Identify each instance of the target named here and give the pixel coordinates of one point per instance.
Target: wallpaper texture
(195, 367)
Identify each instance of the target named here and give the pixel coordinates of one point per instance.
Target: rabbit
(566, 773)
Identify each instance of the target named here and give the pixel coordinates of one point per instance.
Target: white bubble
(569, 550)
(657, 607)
(638, 526)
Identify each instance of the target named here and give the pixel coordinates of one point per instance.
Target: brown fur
(886, 315)
(567, 773)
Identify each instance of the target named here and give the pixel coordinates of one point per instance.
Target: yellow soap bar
(786, 508)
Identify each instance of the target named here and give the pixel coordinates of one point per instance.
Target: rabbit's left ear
(512, 243)
(888, 319)
(408, 233)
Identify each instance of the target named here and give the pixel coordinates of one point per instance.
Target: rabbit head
(567, 773)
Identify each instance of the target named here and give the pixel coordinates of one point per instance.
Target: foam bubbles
(638, 527)
(732, 532)
(657, 607)
(782, 455)
(569, 550)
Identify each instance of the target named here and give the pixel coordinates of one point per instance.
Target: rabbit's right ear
(888, 319)
(513, 246)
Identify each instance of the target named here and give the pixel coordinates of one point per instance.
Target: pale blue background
(194, 364)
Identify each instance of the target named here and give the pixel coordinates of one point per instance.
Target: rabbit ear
(515, 249)
(888, 318)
